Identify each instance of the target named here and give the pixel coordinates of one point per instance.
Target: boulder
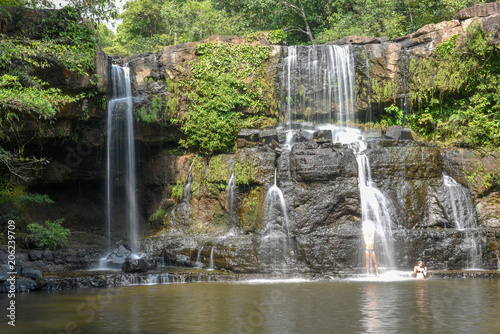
(479, 10)
(267, 136)
(398, 132)
(135, 266)
(32, 273)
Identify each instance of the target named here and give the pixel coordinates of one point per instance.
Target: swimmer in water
(420, 272)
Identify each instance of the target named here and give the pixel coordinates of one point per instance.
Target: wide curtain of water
(336, 306)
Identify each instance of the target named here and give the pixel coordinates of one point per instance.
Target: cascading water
(276, 251)
(464, 219)
(198, 263)
(120, 170)
(275, 210)
(463, 212)
(211, 265)
(231, 202)
(320, 84)
(374, 207)
(320, 89)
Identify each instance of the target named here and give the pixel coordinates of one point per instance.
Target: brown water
(337, 306)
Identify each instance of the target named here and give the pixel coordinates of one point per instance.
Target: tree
(302, 16)
(63, 40)
(193, 20)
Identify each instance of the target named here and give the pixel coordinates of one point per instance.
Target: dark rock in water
(117, 257)
(32, 273)
(135, 266)
(139, 263)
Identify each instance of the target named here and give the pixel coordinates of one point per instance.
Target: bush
(51, 236)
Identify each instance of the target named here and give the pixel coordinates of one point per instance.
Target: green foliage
(210, 175)
(381, 18)
(36, 198)
(219, 92)
(154, 113)
(105, 37)
(157, 215)
(62, 40)
(176, 190)
(50, 235)
(243, 172)
(455, 94)
(395, 116)
(277, 36)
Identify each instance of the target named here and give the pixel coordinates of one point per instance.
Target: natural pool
(363, 305)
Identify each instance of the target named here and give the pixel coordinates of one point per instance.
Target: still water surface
(291, 306)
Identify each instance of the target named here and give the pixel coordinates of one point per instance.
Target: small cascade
(463, 216)
(232, 193)
(198, 263)
(276, 251)
(182, 211)
(211, 265)
(275, 210)
(120, 169)
(319, 84)
(159, 279)
(368, 117)
(463, 212)
(375, 207)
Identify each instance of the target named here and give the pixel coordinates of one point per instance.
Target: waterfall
(120, 170)
(375, 207)
(464, 219)
(462, 210)
(198, 263)
(231, 202)
(368, 117)
(275, 209)
(276, 251)
(319, 83)
(211, 265)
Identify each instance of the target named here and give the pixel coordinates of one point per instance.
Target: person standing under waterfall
(369, 238)
(420, 272)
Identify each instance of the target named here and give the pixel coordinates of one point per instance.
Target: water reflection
(422, 314)
(371, 309)
(339, 306)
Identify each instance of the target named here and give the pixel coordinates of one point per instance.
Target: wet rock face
(410, 176)
(321, 189)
